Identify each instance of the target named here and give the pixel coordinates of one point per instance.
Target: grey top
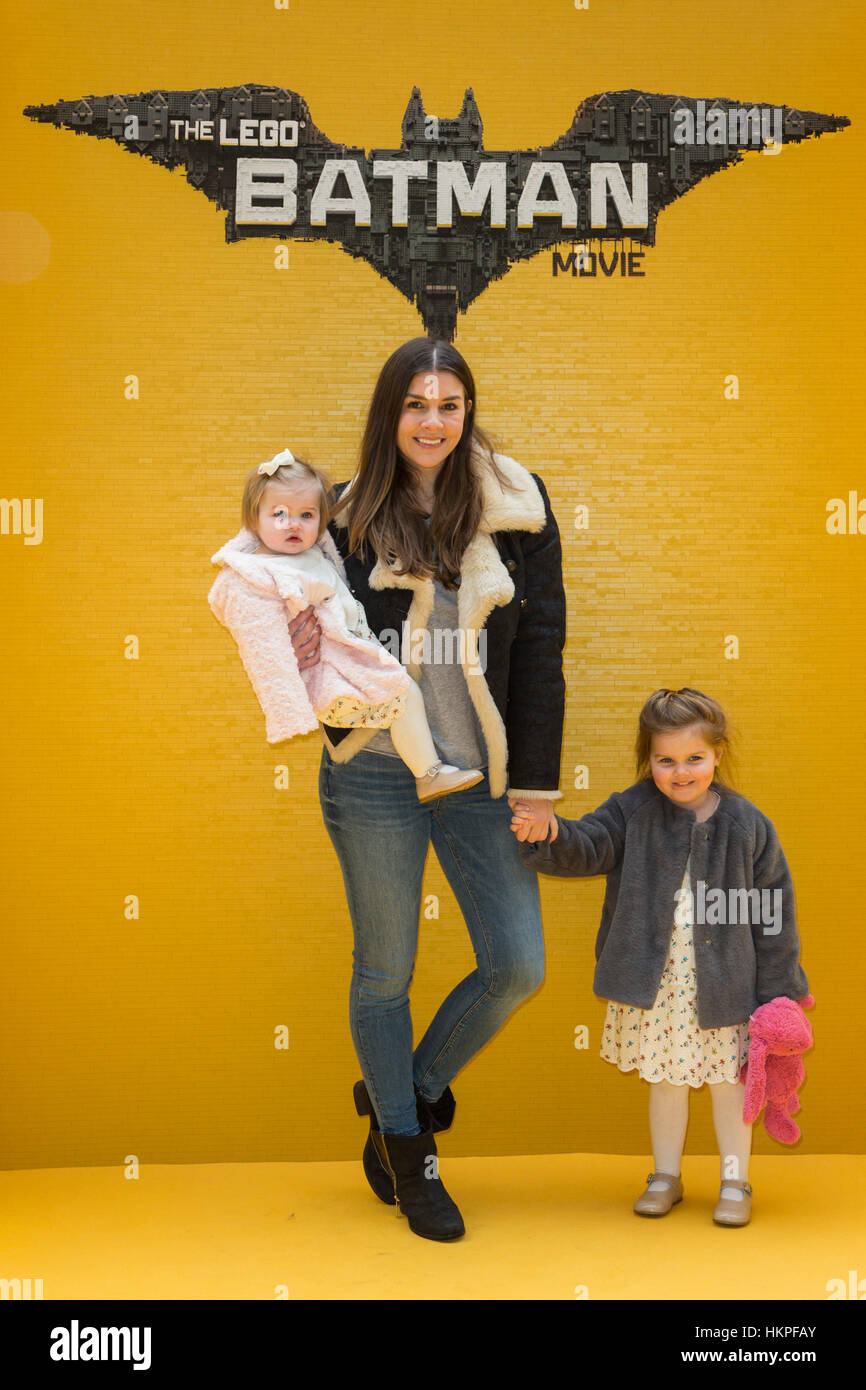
(451, 715)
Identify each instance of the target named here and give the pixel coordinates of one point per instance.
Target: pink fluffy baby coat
(254, 596)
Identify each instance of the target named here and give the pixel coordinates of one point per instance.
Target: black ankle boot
(378, 1177)
(433, 1114)
(440, 1112)
(413, 1164)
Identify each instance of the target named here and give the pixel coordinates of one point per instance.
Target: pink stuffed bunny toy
(779, 1032)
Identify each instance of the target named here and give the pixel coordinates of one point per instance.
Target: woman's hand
(531, 820)
(306, 634)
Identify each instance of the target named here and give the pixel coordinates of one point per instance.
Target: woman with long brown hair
(454, 553)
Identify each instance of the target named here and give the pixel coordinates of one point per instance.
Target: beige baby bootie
(442, 778)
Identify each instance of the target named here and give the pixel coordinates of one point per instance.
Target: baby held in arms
(283, 561)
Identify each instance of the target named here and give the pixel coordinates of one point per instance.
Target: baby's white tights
(669, 1117)
(410, 734)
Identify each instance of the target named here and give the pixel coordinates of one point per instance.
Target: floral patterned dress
(664, 1043)
(347, 712)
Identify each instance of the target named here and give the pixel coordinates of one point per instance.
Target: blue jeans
(381, 833)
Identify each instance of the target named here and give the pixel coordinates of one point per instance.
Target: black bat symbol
(441, 216)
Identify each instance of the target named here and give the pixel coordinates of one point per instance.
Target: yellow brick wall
(152, 777)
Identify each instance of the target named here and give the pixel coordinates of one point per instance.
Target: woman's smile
(432, 420)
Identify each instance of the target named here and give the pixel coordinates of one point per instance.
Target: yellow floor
(539, 1227)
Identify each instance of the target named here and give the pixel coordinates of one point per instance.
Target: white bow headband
(270, 466)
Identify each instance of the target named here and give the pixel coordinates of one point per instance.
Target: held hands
(531, 820)
(305, 634)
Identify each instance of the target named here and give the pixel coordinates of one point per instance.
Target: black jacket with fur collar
(510, 585)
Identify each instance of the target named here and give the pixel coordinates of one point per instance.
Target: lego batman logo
(440, 217)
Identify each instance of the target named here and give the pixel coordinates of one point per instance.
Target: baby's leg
(410, 735)
(669, 1118)
(733, 1134)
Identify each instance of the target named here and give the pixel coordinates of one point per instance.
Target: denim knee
(376, 987)
(518, 981)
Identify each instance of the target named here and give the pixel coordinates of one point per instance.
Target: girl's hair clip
(270, 466)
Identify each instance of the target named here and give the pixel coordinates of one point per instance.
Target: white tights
(410, 734)
(669, 1117)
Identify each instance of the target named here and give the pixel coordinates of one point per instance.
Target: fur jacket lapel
(484, 579)
(484, 584)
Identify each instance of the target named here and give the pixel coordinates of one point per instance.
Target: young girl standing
(683, 966)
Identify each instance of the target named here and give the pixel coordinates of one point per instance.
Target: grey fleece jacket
(746, 947)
